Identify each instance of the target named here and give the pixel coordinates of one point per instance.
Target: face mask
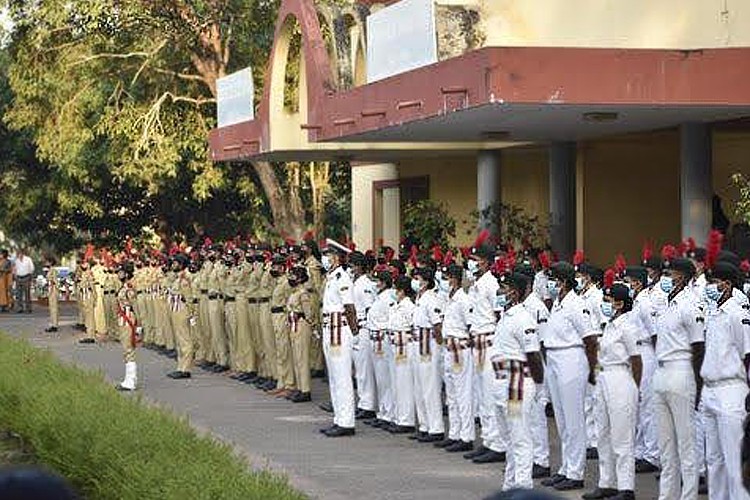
(607, 309)
(292, 283)
(472, 266)
(438, 275)
(667, 284)
(649, 281)
(392, 294)
(580, 283)
(553, 289)
(746, 287)
(326, 262)
(631, 293)
(501, 301)
(416, 286)
(444, 285)
(713, 293)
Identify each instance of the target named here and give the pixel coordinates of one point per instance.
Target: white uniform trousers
(724, 413)
(539, 427)
(567, 374)
(588, 408)
(616, 408)
(674, 408)
(514, 418)
(402, 382)
(646, 437)
(364, 372)
(382, 355)
(494, 429)
(458, 374)
(428, 385)
(339, 360)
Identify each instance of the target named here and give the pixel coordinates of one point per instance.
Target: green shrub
(428, 223)
(114, 447)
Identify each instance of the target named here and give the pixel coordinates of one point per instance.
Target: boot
(131, 377)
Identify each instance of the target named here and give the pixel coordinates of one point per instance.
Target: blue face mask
(444, 285)
(553, 289)
(416, 285)
(580, 283)
(631, 291)
(472, 266)
(501, 300)
(746, 288)
(667, 284)
(325, 261)
(713, 294)
(607, 310)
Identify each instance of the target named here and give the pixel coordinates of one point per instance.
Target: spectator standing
(23, 271)
(6, 281)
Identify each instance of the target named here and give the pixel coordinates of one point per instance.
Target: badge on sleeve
(746, 321)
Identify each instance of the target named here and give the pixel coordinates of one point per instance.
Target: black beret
(385, 277)
(731, 257)
(698, 254)
(357, 259)
(562, 271)
(618, 291)
(679, 264)
(652, 263)
(724, 271)
(483, 251)
(453, 271)
(514, 280)
(525, 269)
(637, 273)
(425, 272)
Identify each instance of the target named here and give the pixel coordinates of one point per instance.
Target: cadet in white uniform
(482, 296)
(725, 383)
(515, 359)
(458, 365)
(400, 327)
(339, 324)
(616, 397)
(569, 366)
(364, 371)
(377, 325)
(427, 358)
(679, 354)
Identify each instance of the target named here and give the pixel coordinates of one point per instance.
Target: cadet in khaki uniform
(167, 329)
(53, 287)
(315, 286)
(302, 319)
(204, 354)
(279, 297)
(77, 276)
(98, 274)
(128, 326)
(108, 300)
(193, 301)
(86, 299)
(246, 367)
(141, 311)
(180, 292)
(253, 316)
(267, 283)
(216, 317)
(228, 288)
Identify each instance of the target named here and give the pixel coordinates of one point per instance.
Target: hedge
(114, 447)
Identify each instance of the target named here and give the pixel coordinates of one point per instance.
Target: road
(284, 437)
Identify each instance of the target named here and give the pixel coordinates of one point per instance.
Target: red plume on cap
(207, 242)
(499, 267)
(174, 250)
(129, 246)
(713, 247)
(448, 259)
(290, 241)
(578, 258)
(690, 244)
(544, 260)
(668, 252)
(437, 253)
(681, 249)
(620, 265)
(510, 258)
(89, 254)
(309, 235)
(745, 266)
(609, 278)
(351, 245)
(482, 238)
(465, 252)
(647, 252)
(389, 253)
(413, 255)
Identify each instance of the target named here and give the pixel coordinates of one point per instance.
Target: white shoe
(131, 377)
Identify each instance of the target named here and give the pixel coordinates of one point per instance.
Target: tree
(427, 223)
(514, 225)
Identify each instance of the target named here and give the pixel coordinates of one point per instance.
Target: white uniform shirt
(539, 313)
(456, 318)
(569, 323)
(593, 297)
(658, 300)
(619, 341)
(401, 316)
(23, 265)
(337, 292)
(642, 316)
(727, 343)
(482, 295)
(364, 296)
(380, 311)
(679, 325)
(429, 310)
(515, 335)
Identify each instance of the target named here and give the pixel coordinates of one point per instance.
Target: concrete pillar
(562, 198)
(488, 183)
(696, 187)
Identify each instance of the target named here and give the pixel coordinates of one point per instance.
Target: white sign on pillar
(401, 37)
(235, 98)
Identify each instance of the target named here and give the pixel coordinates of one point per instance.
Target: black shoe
(552, 481)
(317, 373)
(326, 407)
(50, 329)
(301, 397)
(208, 365)
(179, 375)
(291, 394)
(417, 435)
(363, 414)
(444, 443)
(237, 376)
(400, 429)
(249, 377)
(599, 493)
(120, 388)
(491, 457)
(323, 430)
(538, 471)
(644, 466)
(624, 495)
(87, 340)
(549, 410)
(592, 454)
(702, 486)
(377, 423)
(569, 485)
(220, 369)
(337, 431)
(269, 386)
(459, 446)
(259, 382)
(479, 451)
(431, 438)
(171, 353)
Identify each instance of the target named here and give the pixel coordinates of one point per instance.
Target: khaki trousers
(284, 364)
(230, 324)
(301, 354)
(218, 335)
(245, 347)
(267, 340)
(54, 309)
(203, 352)
(180, 322)
(256, 339)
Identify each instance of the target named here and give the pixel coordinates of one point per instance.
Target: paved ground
(284, 437)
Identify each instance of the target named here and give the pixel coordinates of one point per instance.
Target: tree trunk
(288, 218)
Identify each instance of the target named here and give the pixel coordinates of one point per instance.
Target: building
(615, 121)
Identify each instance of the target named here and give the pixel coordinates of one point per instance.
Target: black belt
(277, 310)
(229, 299)
(264, 300)
(252, 301)
(214, 296)
(204, 290)
(194, 301)
(297, 316)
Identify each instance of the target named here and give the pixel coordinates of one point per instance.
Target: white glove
(193, 321)
(316, 335)
(355, 342)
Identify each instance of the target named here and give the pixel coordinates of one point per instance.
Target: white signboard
(235, 98)
(401, 37)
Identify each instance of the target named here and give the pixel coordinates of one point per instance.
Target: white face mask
(580, 283)
(444, 286)
(325, 261)
(416, 286)
(472, 266)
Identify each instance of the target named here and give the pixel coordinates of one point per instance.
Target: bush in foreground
(113, 447)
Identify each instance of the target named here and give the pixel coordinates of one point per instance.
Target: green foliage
(513, 225)
(114, 447)
(427, 223)
(742, 209)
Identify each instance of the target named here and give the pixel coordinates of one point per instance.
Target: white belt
(563, 348)
(675, 363)
(723, 383)
(612, 368)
